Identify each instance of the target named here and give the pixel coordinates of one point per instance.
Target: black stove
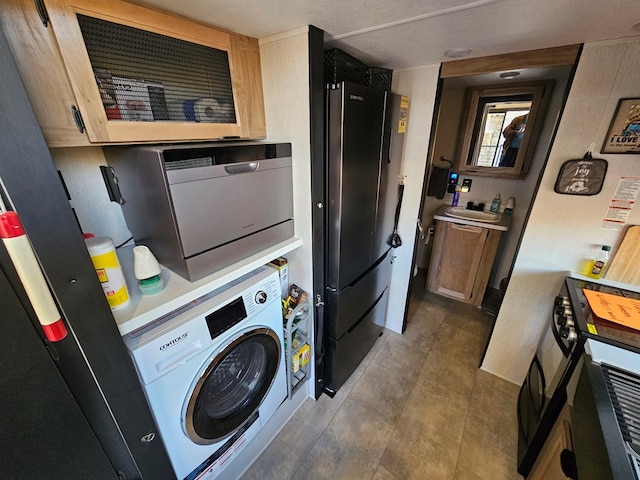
(593, 327)
(605, 406)
(560, 362)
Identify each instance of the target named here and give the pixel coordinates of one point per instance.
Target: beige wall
(564, 230)
(419, 84)
(80, 168)
(285, 79)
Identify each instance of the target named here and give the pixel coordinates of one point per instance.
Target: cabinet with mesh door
(141, 75)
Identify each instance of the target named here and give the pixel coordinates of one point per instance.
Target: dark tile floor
(418, 407)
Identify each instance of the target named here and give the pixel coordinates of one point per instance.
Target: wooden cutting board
(625, 266)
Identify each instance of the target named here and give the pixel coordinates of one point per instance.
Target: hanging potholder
(583, 176)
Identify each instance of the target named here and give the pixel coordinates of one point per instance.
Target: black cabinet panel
(43, 432)
(93, 360)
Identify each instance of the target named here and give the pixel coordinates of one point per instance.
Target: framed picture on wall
(624, 131)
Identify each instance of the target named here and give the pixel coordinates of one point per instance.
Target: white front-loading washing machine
(214, 372)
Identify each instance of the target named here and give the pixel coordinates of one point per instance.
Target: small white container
(147, 271)
(509, 206)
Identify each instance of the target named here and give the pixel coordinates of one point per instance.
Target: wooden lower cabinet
(547, 466)
(461, 261)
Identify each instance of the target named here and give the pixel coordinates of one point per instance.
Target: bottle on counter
(599, 262)
(509, 206)
(105, 260)
(495, 204)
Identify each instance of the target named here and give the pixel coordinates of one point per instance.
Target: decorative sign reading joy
(581, 177)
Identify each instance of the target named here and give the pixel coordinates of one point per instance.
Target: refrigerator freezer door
(350, 304)
(344, 356)
(355, 129)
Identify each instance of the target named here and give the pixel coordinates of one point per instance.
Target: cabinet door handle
(77, 118)
(42, 12)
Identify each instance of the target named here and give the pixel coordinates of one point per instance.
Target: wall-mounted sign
(624, 132)
(581, 177)
(404, 114)
(623, 200)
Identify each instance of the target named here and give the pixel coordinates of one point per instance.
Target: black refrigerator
(364, 138)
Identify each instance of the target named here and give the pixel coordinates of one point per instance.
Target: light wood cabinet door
(138, 74)
(547, 466)
(35, 50)
(461, 261)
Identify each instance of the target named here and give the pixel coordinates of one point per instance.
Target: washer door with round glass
(231, 386)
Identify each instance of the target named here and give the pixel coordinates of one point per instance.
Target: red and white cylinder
(24, 260)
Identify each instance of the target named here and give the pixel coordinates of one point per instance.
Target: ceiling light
(457, 52)
(509, 74)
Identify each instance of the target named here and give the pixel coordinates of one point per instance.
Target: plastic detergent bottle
(599, 262)
(104, 258)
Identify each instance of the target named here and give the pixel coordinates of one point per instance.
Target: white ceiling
(406, 33)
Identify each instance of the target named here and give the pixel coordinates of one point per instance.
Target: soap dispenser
(509, 206)
(495, 204)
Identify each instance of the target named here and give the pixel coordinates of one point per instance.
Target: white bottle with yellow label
(105, 261)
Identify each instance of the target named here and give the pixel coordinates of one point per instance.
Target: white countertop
(503, 224)
(144, 309)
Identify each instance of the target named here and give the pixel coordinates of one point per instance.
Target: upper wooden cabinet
(134, 74)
